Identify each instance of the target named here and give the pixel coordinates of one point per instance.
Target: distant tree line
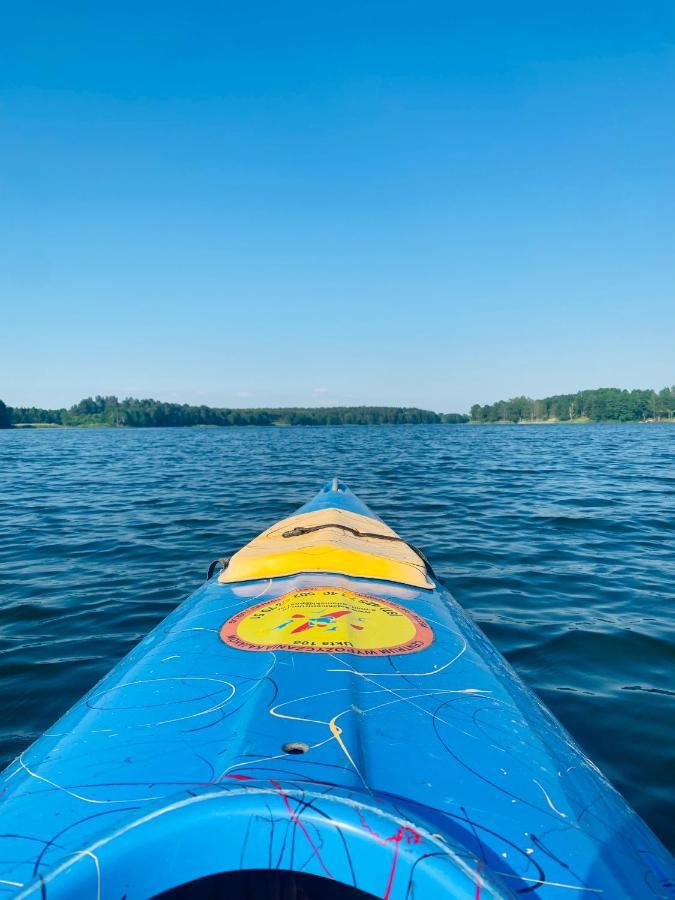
(133, 413)
(600, 405)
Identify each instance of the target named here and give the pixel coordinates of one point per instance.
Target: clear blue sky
(321, 203)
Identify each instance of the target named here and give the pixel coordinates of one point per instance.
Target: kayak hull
(425, 772)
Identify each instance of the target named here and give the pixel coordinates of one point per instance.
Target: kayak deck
(353, 729)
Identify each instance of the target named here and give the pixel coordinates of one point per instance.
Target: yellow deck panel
(275, 553)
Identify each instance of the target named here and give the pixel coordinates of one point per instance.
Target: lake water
(560, 542)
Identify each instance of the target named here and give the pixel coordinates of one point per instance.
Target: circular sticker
(328, 620)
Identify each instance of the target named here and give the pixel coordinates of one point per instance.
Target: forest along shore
(597, 405)
(131, 413)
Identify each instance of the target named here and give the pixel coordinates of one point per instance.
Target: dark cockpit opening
(264, 884)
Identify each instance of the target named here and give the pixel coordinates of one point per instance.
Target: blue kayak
(319, 720)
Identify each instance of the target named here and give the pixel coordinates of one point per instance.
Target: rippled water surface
(560, 541)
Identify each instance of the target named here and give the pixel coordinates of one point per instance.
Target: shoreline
(50, 426)
(580, 422)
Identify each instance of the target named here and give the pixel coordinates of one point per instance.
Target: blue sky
(421, 203)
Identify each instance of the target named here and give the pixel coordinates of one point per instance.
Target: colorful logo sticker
(328, 620)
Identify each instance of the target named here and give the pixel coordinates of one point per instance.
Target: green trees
(133, 413)
(600, 405)
(454, 418)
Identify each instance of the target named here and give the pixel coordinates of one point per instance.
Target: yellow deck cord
(328, 549)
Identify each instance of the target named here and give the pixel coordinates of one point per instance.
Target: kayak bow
(320, 719)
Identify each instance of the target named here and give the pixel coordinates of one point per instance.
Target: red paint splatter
(478, 868)
(241, 777)
(392, 873)
(296, 820)
(404, 833)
